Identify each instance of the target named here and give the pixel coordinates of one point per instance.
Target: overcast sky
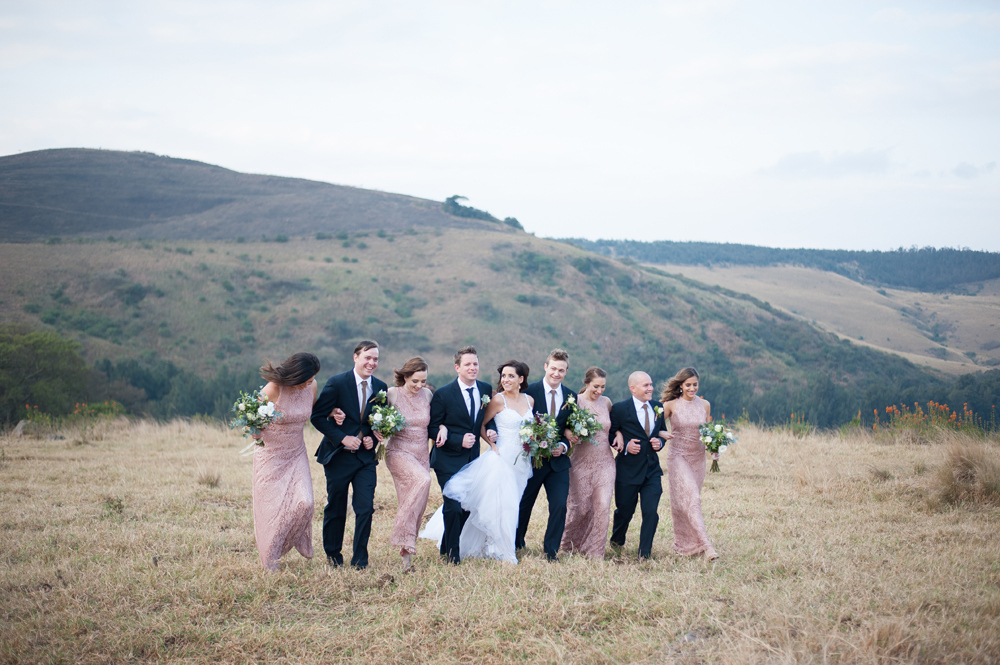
(860, 125)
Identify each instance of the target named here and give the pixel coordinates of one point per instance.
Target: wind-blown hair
(672, 388)
(409, 368)
(519, 367)
(295, 371)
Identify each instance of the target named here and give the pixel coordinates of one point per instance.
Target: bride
(490, 487)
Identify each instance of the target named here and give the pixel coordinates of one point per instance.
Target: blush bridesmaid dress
(282, 485)
(686, 473)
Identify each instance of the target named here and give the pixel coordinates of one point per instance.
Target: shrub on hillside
(971, 473)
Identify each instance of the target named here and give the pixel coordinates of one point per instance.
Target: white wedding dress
(490, 488)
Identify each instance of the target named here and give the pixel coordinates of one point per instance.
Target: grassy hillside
(96, 193)
(953, 333)
(925, 269)
(215, 309)
(134, 542)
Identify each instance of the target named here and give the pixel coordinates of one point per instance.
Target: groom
(550, 397)
(347, 453)
(459, 407)
(638, 420)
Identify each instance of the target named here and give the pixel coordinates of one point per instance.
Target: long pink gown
(686, 473)
(408, 457)
(282, 485)
(591, 485)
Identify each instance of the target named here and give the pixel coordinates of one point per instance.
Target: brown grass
(970, 474)
(115, 551)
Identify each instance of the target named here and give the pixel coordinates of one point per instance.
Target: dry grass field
(133, 541)
(896, 320)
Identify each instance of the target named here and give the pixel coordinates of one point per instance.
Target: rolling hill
(175, 324)
(96, 193)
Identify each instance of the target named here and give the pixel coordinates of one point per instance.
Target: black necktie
(472, 404)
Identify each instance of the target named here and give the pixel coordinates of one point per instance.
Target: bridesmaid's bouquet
(254, 412)
(716, 437)
(582, 422)
(386, 420)
(538, 438)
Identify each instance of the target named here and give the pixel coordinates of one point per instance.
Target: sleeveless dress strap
(504, 401)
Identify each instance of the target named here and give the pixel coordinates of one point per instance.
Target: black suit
(637, 476)
(344, 467)
(450, 408)
(553, 474)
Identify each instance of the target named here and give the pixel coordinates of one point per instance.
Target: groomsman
(639, 420)
(347, 453)
(459, 407)
(550, 398)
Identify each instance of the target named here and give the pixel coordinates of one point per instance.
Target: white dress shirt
(358, 381)
(642, 416)
(473, 406)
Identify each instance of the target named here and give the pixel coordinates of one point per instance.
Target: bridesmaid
(592, 476)
(282, 484)
(408, 456)
(686, 462)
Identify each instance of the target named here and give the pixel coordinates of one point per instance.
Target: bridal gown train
(490, 488)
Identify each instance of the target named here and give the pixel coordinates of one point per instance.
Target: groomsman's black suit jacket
(633, 469)
(537, 391)
(448, 408)
(342, 391)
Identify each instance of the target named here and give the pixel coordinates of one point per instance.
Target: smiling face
(468, 368)
(596, 388)
(641, 386)
(555, 372)
(689, 389)
(510, 379)
(415, 382)
(366, 362)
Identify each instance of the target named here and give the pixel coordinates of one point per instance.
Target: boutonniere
(378, 398)
(485, 401)
(658, 410)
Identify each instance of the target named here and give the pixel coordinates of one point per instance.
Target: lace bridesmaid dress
(282, 485)
(591, 485)
(686, 472)
(408, 458)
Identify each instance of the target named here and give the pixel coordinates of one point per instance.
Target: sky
(848, 124)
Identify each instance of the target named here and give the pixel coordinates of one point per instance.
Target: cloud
(968, 171)
(839, 164)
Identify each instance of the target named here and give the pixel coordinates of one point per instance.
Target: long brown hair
(409, 368)
(672, 388)
(519, 367)
(592, 373)
(296, 370)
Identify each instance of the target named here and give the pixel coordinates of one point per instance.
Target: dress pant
(556, 485)
(346, 470)
(647, 495)
(454, 520)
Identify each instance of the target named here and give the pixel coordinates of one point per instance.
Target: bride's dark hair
(519, 367)
(672, 388)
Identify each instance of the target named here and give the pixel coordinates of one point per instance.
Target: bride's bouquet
(254, 412)
(582, 422)
(716, 437)
(538, 437)
(386, 420)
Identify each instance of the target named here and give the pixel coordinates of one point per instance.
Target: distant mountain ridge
(926, 269)
(94, 193)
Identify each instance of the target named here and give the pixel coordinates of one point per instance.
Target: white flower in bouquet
(718, 428)
(722, 448)
(584, 431)
(243, 407)
(376, 417)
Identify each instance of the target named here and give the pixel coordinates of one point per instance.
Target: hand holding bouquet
(386, 420)
(254, 412)
(716, 438)
(582, 422)
(538, 438)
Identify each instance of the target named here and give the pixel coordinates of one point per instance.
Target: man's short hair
(364, 346)
(464, 350)
(557, 354)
